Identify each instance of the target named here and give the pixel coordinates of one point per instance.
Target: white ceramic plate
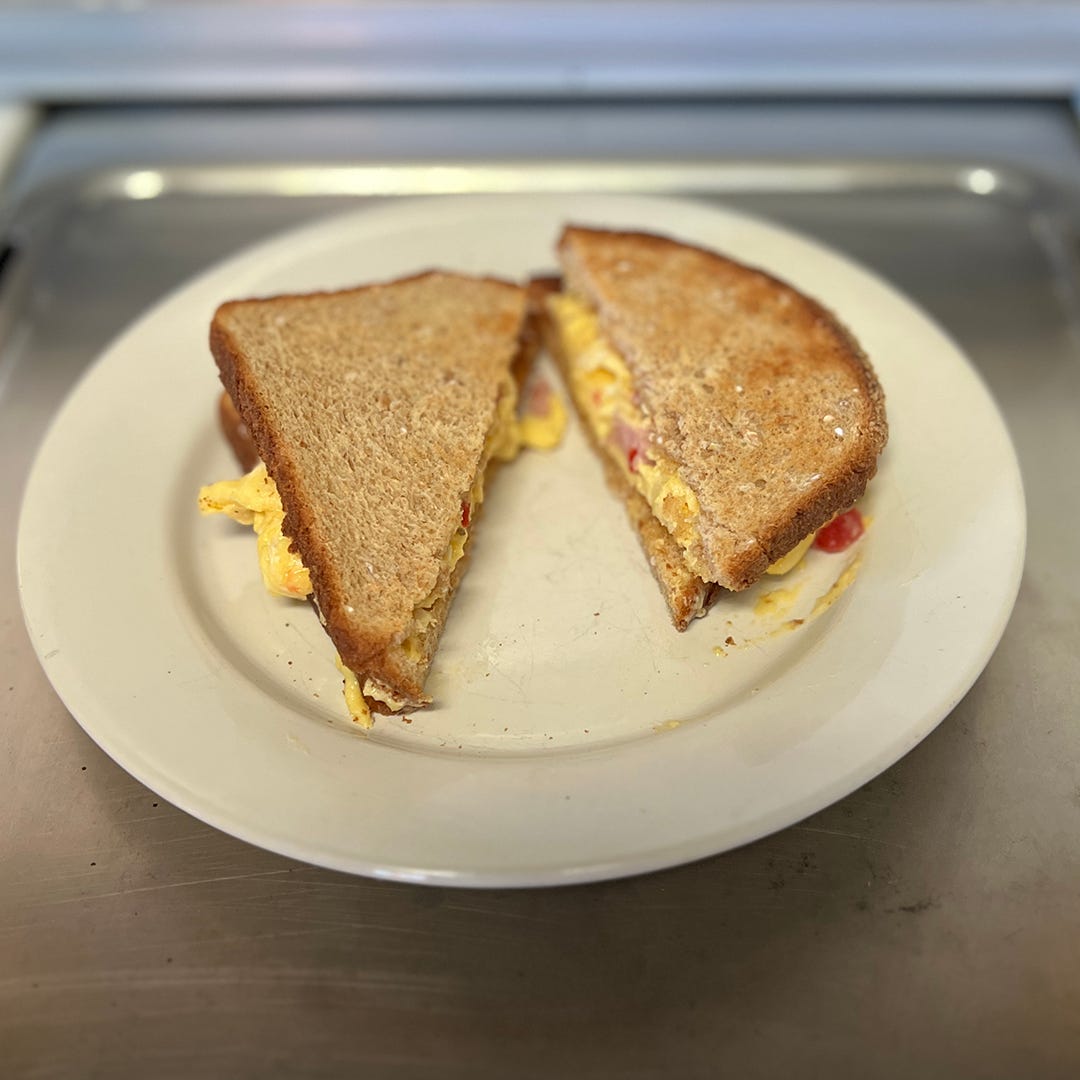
(576, 736)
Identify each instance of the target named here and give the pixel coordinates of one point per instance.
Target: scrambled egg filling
(354, 696)
(254, 500)
(603, 388)
(542, 425)
(599, 380)
(793, 557)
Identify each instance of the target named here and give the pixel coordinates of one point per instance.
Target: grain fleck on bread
(370, 408)
(765, 402)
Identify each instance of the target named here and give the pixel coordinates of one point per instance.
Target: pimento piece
(841, 532)
(466, 514)
(633, 442)
(538, 399)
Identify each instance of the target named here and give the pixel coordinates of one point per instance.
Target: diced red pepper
(538, 399)
(841, 532)
(632, 441)
(466, 514)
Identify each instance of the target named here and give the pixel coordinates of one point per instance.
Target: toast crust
(411, 371)
(762, 398)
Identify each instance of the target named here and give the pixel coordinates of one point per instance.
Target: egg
(543, 430)
(792, 559)
(540, 425)
(254, 500)
(354, 698)
(603, 388)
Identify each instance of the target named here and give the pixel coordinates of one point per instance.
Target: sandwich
(369, 420)
(734, 416)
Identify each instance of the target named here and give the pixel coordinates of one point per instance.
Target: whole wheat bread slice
(763, 400)
(371, 408)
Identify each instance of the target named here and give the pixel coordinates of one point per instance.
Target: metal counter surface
(928, 924)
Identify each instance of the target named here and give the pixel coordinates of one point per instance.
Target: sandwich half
(733, 414)
(371, 417)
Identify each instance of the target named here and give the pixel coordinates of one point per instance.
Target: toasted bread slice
(748, 397)
(376, 412)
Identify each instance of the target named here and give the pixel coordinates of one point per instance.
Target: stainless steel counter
(929, 924)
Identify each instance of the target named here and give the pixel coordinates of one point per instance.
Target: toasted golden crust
(686, 595)
(764, 401)
(370, 408)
